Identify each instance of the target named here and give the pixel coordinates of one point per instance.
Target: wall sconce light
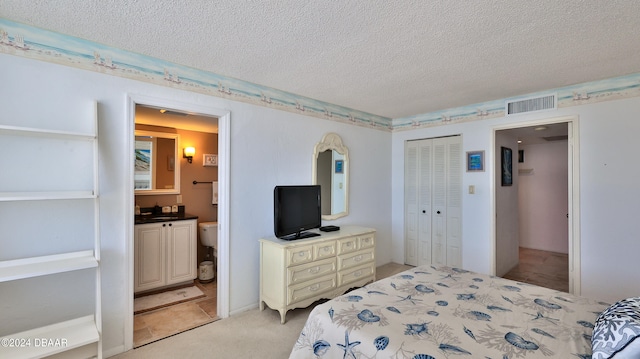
(188, 153)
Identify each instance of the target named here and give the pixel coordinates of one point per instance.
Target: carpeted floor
(251, 334)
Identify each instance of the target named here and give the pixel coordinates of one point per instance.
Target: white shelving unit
(84, 333)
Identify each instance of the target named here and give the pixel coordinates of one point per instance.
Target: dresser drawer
(324, 250)
(299, 255)
(354, 274)
(366, 241)
(305, 272)
(347, 245)
(304, 291)
(355, 259)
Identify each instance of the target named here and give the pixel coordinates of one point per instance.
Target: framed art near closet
(475, 161)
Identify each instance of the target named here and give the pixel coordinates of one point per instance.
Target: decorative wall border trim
(581, 94)
(44, 45)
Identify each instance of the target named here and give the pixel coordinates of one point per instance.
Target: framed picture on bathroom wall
(209, 160)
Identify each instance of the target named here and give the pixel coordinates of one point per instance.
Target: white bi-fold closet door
(433, 201)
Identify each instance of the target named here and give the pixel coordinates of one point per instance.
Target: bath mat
(165, 299)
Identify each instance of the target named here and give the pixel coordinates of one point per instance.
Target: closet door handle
(423, 211)
(438, 212)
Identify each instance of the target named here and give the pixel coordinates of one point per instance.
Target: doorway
(531, 221)
(222, 274)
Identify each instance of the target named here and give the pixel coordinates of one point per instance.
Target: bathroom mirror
(157, 165)
(331, 172)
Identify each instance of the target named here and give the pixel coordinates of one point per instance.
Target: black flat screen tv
(296, 209)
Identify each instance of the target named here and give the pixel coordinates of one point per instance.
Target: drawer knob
(358, 258)
(314, 287)
(314, 270)
(301, 254)
(327, 248)
(358, 273)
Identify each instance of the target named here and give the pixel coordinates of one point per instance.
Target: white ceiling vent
(531, 104)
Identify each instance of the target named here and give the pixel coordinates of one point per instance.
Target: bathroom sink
(162, 217)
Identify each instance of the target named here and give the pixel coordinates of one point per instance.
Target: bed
(441, 312)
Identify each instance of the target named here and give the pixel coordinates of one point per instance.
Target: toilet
(208, 238)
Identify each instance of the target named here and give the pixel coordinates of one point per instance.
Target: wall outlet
(179, 198)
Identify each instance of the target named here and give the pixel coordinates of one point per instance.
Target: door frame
(224, 136)
(573, 156)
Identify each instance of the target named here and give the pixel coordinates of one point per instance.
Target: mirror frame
(333, 141)
(176, 171)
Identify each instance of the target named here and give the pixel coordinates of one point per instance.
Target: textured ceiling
(389, 58)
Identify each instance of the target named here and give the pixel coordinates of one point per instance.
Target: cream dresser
(294, 274)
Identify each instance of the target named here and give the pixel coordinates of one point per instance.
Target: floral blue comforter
(428, 312)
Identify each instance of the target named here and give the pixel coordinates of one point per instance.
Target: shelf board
(77, 332)
(52, 195)
(37, 132)
(46, 265)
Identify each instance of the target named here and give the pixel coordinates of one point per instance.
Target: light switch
(472, 189)
(179, 198)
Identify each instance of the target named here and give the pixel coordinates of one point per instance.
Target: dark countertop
(163, 217)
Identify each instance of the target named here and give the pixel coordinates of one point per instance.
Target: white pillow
(616, 330)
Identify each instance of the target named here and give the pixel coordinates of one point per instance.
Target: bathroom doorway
(205, 129)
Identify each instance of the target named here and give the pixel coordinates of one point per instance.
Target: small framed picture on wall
(475, 161)
(209, 160)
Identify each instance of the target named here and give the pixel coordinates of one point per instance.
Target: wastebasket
(206, 272)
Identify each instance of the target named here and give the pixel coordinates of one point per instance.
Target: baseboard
(243, 309)
(113, 351)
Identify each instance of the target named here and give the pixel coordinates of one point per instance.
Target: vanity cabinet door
(165, 254)
(181, 251)
(149, 249)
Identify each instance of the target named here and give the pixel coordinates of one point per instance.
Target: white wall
(268, 147)
(543, 195)
(609, 197)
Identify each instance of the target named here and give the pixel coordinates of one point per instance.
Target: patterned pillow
(616, 331)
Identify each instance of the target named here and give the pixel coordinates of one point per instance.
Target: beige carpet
(251, 334)
(150, 302)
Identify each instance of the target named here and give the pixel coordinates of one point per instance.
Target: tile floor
(546, 269)
(158, 324)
